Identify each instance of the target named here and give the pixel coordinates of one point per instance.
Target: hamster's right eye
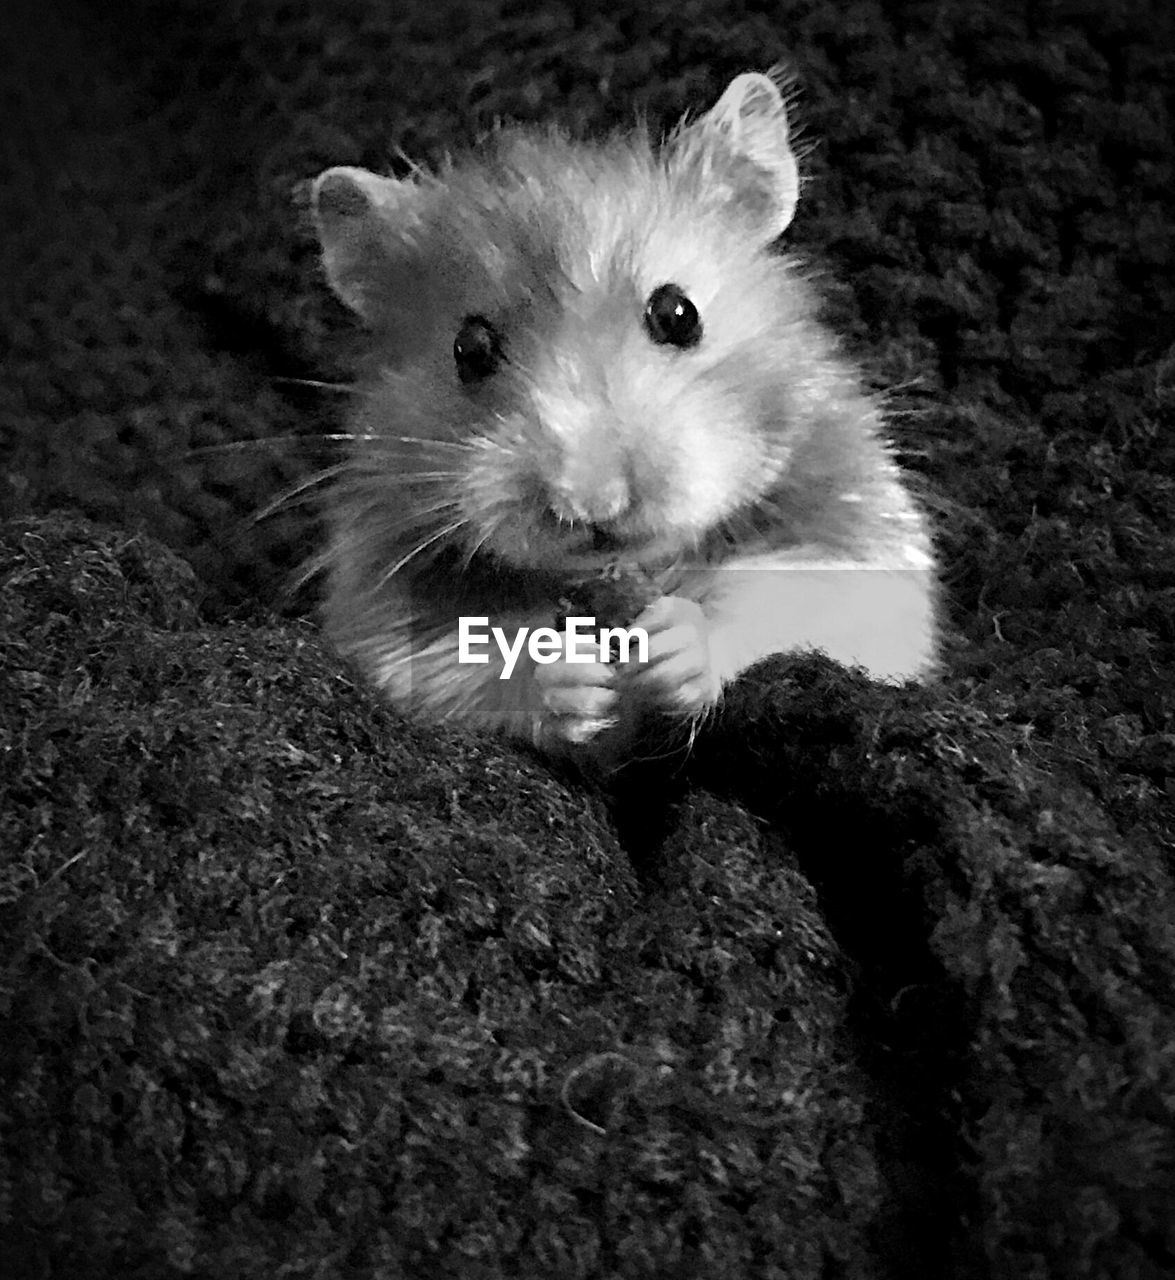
(477, 349)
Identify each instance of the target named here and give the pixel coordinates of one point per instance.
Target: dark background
(223, 867)
(988, 189)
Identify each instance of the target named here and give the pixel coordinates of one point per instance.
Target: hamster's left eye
(477, 349)
(671, 318)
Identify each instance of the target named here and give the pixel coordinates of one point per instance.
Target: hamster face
(594, 385)
(585, 352)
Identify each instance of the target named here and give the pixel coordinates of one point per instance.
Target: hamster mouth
(579, 535)
(596, 540)
(606, 549)
(590, 545)
(605, 539)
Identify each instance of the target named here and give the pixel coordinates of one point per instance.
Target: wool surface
(878, 984)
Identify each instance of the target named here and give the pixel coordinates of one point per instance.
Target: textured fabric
(289, 987)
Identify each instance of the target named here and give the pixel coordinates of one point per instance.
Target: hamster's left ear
(750, 120)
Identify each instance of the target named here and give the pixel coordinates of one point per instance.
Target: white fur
(748, 470)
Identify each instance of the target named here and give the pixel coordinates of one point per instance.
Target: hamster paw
(578, 700)
(678, 677)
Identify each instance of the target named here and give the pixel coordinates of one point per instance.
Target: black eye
(671, 318)
(477, 349)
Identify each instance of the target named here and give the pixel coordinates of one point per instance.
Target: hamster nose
(593, 504)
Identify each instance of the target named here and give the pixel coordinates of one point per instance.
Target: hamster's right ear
(361, 220)
(750, 120)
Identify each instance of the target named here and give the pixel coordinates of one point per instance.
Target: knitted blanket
(879, 983)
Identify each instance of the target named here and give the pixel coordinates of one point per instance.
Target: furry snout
(590, 499)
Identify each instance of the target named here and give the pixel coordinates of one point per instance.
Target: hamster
(596, 384)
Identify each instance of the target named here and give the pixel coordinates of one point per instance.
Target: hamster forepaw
(578, 700)
(678, 677)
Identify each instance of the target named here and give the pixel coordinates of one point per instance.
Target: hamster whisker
(235, 446)
(370, 481)
(369, 495)
(448, 505)
(322, 561)
(462, 445)
(417, 170)
(311, 568)
(420, 546)
(344, 388)
(915, 384)
(412, 476)
(486, 444)
(667, 753)
(371, 509)
(471, 554)
(286, 497)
